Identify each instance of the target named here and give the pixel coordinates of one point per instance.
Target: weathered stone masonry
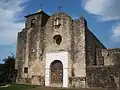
(86, 61)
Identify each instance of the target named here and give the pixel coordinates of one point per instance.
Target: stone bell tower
(30, 49)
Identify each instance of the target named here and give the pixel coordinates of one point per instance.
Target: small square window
(25, 69)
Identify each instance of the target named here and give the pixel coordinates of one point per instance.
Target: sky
(103, 17)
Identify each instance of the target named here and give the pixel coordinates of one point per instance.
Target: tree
(9, 64)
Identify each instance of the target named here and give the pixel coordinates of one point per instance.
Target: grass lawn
(35, 87)
(49, 88)
(18, 87)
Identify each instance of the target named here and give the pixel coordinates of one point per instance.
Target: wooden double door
(56, 72)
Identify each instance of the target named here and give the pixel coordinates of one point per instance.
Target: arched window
(33, 22)
(57, 22)
(57, 39)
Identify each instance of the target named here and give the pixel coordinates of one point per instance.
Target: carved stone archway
(61, 57)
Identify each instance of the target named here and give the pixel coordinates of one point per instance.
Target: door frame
(50, 57)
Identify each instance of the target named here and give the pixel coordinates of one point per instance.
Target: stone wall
(40, 19)
(104, 76)
(111, 56)
(33, 44)
(36, 46)
(20, 53)
(77, 82)
(92, 49)
(29, 52)
(64, 29)
(34, 80)
(78, 62)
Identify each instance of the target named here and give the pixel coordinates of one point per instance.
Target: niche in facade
(33, 21)
(25, 69)
(57, 39)
(57, 22)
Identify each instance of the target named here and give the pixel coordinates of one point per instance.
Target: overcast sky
(103, 18)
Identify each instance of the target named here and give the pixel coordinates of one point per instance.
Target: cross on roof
(59, 8)
(41, 6)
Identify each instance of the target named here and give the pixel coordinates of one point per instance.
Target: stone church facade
(59, 51)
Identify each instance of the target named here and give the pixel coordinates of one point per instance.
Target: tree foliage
(9, 73)
(9, 63)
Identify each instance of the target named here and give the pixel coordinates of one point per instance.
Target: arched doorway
(56, 72)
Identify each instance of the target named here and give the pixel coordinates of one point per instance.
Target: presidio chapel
(58, 51)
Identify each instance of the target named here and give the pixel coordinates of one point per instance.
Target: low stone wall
(104, 77)
(35, 80)
(23, 80)
(77, 82)
(38, 80)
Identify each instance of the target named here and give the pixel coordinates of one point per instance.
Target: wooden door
(56, 72)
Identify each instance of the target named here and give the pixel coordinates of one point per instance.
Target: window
(25, 69)
(33, 21)
(57, 22)
(57, 39)
(95, 59)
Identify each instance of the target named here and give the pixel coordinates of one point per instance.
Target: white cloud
(10, 23)
(104, 9)
(116, 33)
